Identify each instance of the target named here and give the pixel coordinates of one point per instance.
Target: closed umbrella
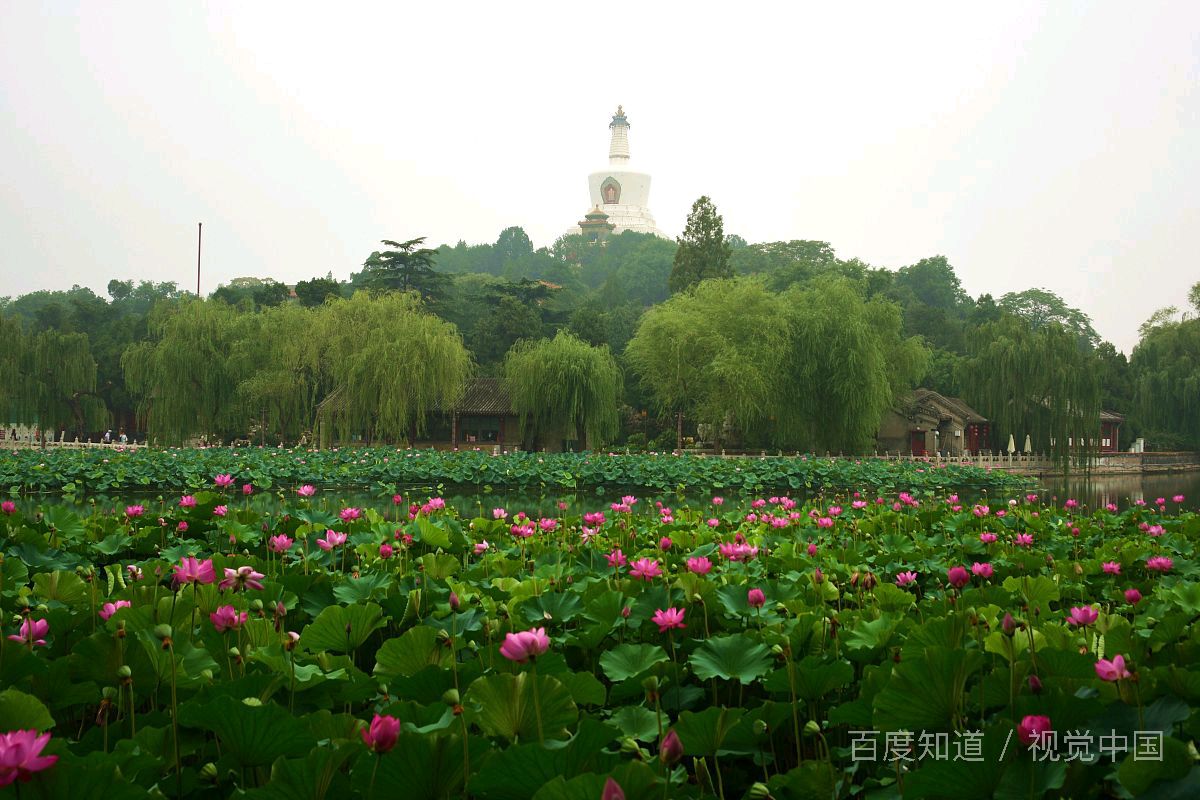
(1028, 445)
(1012, 444)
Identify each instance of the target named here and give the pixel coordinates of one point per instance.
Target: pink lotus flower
(481, 547)
(616, 559)
(223, 481)
(1072, 503)
(981, 570)
(8, 507)
(1177, 498)
(756, 598)
(247, 489)
(280, 543)
(669, 619)
(193, 570)
(32, 632)
(241, 579)
(381, 735)
(1112, 670)
(397, 499)
(958, 577)
(1110, 507)
(699, 566)
(227, 618)
(1159, 564)
(1023, 540)
(182, 526)
(1133, 596)
(1111, 568)
(187, 501)
(499, 513)
(108, 609)
(645, 568)
(737, 551)
(134, 511)
(713, 522)
(987, 538)
(385, 551)
(594, 518)
(220, 511)
(307, 490)
(824, 522)
(520, 647)
(612, 790)
(1155, 530)
(332, 539)
(812, 549)
(1034, 728)
(665, 543)
(716, 501)
(906, 579)
(1082, 616)
(20, 755)
(350, 514)
(547, 525)
(135, 572)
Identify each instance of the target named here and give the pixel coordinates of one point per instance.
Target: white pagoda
(621, 193)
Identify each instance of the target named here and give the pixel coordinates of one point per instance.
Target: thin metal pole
(199, 240)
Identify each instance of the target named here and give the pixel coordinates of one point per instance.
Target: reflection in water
(1125, 489)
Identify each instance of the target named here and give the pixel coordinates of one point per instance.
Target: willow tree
(564, 386)
(846, 364)
(1166, 369)
(1042, 382)
(51, 380)
(184, 375)
(389, 364)
(714, 353)
(282, 368)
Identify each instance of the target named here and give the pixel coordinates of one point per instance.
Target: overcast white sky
(1053, 145)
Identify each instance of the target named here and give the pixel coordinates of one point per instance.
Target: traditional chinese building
(927, 422)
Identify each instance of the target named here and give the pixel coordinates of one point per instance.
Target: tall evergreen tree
(406, 267)
(703, 251)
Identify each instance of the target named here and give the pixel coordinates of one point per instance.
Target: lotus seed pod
(108, 693)
(650, 684)
(124, 672)
(163, 631)
(209, 772)
(451, 698)
(253, 702)
(811, 728)
(759, 791)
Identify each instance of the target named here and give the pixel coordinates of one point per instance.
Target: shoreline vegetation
(143, 469)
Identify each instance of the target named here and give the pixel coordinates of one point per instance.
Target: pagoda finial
(618, 149)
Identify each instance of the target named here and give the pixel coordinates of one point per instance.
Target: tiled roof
(1111, 416)
(943, 404)
(486, 397)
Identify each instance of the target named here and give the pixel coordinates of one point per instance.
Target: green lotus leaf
(342, 629)
(731, 658)
(503, 705)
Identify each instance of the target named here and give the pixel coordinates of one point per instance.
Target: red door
(916, 442)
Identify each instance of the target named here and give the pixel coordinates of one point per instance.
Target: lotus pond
(858, 644)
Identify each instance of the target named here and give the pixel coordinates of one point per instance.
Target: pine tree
(703, 252)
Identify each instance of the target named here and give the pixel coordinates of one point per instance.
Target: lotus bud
(778, 651)
(759, 791)
(630, 747)
(671, 749)
(207, 674)
(696, 598)
(253, 702)
(1008, 624)
(1035, 684)
(235, 653)
(454, 601)
(612, 791)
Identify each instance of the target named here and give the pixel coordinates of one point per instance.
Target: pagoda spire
(618, 148)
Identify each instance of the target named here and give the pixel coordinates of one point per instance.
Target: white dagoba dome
(620, 191)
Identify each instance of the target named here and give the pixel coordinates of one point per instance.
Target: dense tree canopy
(260, 359)
(703, 251)
(1035, 381)
(564, 387)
